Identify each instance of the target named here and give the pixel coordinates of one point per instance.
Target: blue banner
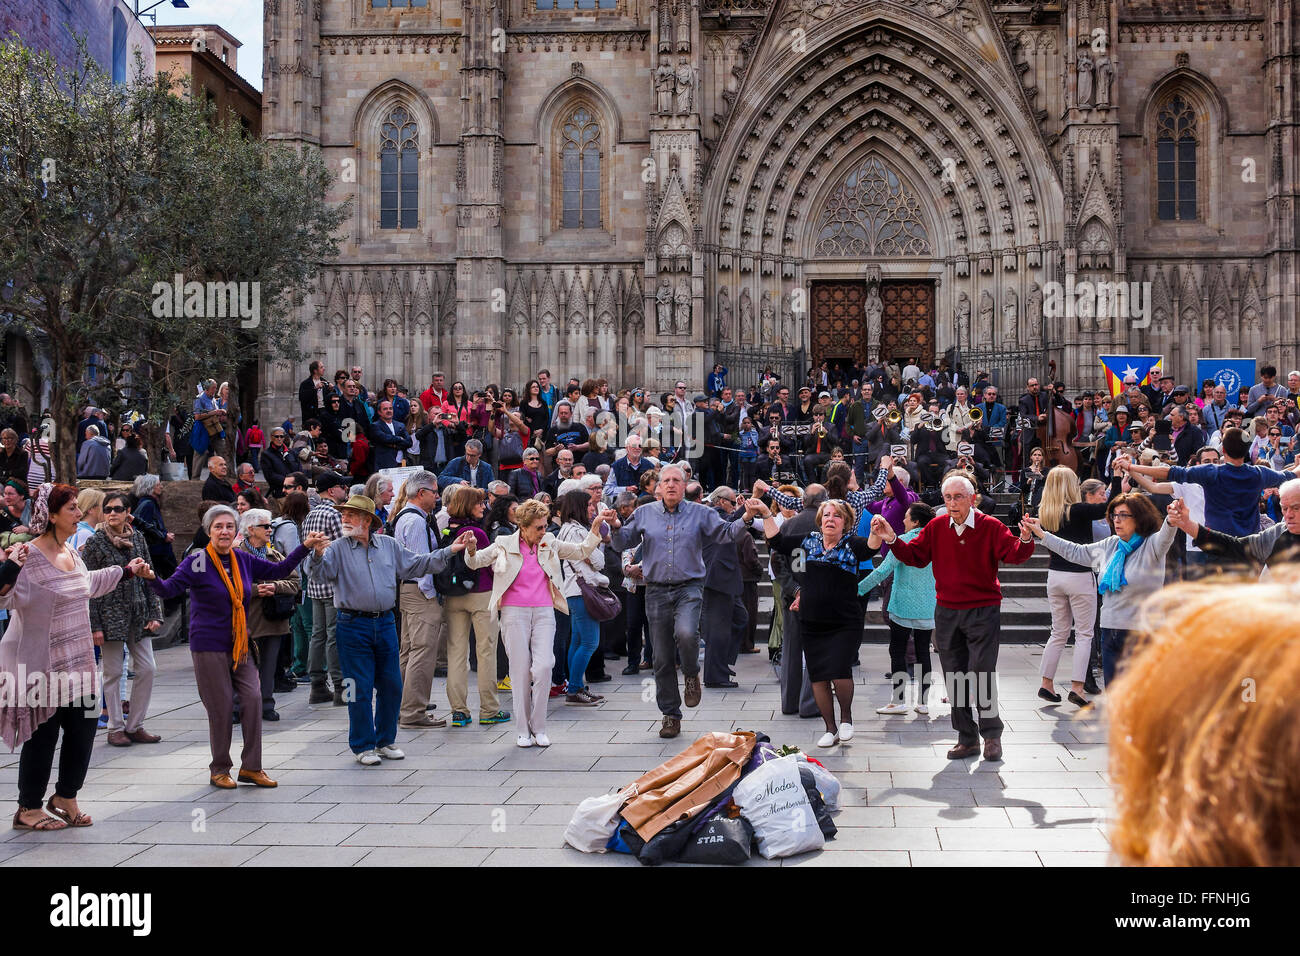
(1231, 373)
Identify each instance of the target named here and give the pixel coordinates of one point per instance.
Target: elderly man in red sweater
(965, 546)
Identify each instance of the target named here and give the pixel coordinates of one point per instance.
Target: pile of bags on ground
(712, 802)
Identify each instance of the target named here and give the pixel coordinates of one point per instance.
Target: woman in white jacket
(527, 589)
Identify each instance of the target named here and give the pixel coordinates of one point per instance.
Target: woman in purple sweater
(219, 644)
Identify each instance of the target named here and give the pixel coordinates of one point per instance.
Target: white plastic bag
(827, 785)
(773, 800)
(594, 822)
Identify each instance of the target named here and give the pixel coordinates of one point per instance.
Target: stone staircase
(1026, 618)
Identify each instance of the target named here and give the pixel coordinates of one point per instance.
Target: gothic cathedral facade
(633, 188)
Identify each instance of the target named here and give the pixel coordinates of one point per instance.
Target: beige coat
(506, 561)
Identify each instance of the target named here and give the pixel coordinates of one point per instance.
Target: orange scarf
(236, 591)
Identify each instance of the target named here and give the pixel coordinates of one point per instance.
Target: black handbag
(279, 607)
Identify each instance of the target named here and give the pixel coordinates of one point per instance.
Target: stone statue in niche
(766, 319)
(787, 321)
(746, 318)
(1105, 70)
(874, 309)
(1083, 87)
(1034, 313)
(683, 310)
(1010, 315)
(665, 86)
(962, 317)
(986, 317)
(683, 26)
(665, 26)
(664, 307)
(726, 317)
(685, 86)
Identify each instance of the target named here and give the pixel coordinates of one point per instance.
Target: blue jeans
(584, 638)
(368, 657)
(1112, 647)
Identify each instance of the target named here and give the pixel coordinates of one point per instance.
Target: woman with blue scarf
(1130, 565)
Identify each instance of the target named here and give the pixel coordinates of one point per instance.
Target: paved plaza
(469, 796)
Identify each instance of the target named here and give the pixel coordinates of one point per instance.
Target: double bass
(1056, 434)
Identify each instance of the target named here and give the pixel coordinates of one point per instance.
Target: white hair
(663, 472)
(965, 482)
(587, 482)
(567, 485)
(253, 516)
(215, 512)
(1288, 486)
(903, 475)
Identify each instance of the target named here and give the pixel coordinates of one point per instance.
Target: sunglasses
(265, 527)
(114, 510)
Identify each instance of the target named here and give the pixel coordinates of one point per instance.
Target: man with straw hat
(363, 568)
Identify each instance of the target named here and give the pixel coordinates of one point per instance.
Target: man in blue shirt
(469, 469)
(549, 393)
(1232, 489)
(717, 381)
(673, 533)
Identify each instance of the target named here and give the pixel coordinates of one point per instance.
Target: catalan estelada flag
(1120, 367)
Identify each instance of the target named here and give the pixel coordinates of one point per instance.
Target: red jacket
(965, 567)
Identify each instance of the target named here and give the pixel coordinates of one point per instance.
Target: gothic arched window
(399, 167)
(872, 212)
(1176, 141)
(580, 160)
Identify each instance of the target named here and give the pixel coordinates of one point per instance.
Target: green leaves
(107, 190)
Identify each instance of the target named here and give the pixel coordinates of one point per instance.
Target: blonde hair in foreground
(1205, 728)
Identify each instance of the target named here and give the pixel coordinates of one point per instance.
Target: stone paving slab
(469, 797)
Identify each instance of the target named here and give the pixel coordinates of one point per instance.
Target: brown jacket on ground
(685, 785)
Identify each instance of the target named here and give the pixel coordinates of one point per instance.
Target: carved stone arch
(870, 206)
(956, 216)
(367, 129)
(967, 102)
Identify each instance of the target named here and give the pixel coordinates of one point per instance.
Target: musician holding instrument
(960, 423)
(928, 448)
(989, 432)
(817, 445)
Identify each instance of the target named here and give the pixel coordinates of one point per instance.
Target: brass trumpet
(893, 418)
(976, 416)
(934, 423)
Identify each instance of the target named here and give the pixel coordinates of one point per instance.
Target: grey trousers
(323, 646)
(218, 682)
(673, 615)
(796, 690)
(967, 642)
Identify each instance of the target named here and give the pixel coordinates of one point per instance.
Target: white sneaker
(892, 708)
(524, 740)
(846, 732)
(826, 740)
(390, 752)
(921, 709)
(368, 757)
(541, 740)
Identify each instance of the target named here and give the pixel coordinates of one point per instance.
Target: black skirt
(830, 648)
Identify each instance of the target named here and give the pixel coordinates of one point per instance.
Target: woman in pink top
(526, 589)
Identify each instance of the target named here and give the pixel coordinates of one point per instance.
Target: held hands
(1030, 525)
(1180, 517)
(887, 463)
(882, 529)
(152, 627)
(140, 568)
(633, 571)
(466, 542)
(98, 638)
(761, 488)
(317, 541)
(265, 589)
(794, 605)
(18, 554)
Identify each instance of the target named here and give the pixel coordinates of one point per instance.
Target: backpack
(512, 445)
(456, 578)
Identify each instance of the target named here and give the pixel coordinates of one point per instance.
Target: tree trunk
(63, 448)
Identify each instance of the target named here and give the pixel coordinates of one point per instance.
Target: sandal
(80, 820)
(44, 823)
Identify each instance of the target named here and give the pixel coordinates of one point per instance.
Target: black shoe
(285, 686)
(338, 697)
(1090, 687)
(599, 679)
(270, 715)
(1078, 701)
(1046, 694)
(731, 672)
(440, 672)
(631, 670)
(611, 656)
(726, 684)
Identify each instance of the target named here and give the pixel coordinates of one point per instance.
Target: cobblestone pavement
(469, 796)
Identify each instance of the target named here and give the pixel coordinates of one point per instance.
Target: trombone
(893, 418)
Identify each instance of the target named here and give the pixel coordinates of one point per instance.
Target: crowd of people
(386, 538)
